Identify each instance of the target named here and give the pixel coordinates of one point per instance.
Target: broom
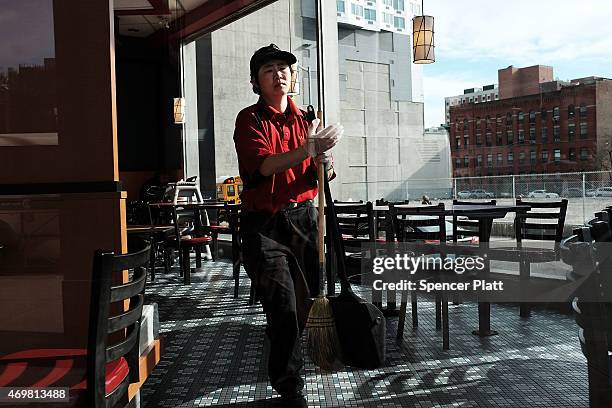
(322, 339)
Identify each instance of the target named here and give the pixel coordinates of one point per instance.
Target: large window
(509, 137)
(398, 4)
(556, 133)
(510, 158)
(357, 10)
(544, 156)
(500, 159)
(583, 130)
(388, 18)
(28, 83)
(340, 6)
(369, 14)
(521, 136)
(583, 110)
(489, 160)
(388, 2)
(571, 154)
(544, 134)
(399, 22)
(521, 157)
(584, 154)
(571, 131)
(557, 155)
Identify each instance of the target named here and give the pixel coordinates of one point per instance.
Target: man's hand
(318, 143)
(325, 158)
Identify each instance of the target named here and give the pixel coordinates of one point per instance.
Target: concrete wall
(370, 93)
(232, 48)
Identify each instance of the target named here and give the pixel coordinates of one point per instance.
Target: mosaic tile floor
(215, 356)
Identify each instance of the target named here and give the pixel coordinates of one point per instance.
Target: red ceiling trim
(214, 14)
(160, 8)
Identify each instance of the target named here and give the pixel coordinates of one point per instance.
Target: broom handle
(321, 175)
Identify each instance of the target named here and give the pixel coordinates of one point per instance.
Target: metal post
(455, 188)
(513, 187)
(309, 86)
(583, 197)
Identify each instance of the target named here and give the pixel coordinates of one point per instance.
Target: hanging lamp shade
(179, 110)
(294, 86)
(423, 48)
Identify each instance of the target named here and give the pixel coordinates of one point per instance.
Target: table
(196, 207)
(485, 214)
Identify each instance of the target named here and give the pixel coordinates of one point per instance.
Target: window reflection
(28, 103)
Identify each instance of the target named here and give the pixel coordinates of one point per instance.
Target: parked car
(572, 192)
(481, 194)
(603, 192)
(542, 194)
(464, 194)
(591, 192)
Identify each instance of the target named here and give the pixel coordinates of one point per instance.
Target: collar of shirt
(288, 116)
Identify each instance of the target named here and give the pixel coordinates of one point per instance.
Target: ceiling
(141, 18)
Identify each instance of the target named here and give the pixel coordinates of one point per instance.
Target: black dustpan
(360, 324)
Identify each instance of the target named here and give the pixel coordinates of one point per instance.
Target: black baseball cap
(269, 53)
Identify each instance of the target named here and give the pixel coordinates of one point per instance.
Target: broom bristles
(322, 339)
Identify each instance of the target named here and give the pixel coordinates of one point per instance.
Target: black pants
(281, 258)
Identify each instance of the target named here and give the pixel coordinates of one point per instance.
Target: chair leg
(186, 267)
(524, 273)
(166, 256)
(152, 260)
(215, 251)
(445, 333)
(415, 317)
(198, 251)
(438, 300)
(402, 315)
(252, 295)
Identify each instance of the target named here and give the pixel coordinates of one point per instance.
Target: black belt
(306, 203)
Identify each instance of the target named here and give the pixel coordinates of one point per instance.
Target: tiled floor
(215, 356)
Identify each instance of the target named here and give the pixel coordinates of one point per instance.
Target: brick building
(537, 126)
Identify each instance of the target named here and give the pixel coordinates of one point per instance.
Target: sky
(475, 38)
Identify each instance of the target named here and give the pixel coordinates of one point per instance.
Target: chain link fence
(586, 192)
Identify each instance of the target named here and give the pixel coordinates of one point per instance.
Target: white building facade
(487, 93)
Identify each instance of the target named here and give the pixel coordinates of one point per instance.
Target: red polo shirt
(275, 133)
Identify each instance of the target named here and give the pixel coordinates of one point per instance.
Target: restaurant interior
(121, 274)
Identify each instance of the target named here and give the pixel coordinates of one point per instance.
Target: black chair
(543, 222)
(356, 227)
(593, 315)
(112, 356)
(425, 224)
(382, 226)
(189, 234)
(463, 227)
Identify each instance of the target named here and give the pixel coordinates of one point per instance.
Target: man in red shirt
(278, 152)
